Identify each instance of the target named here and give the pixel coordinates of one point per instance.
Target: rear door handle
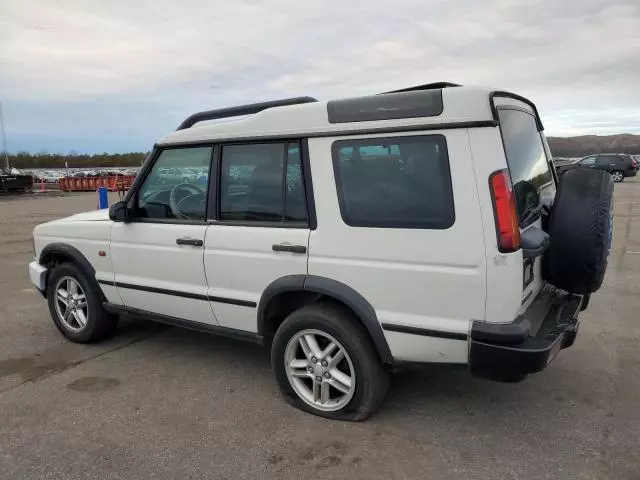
(189, 241)
(283, 247)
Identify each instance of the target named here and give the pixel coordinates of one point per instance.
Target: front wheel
(617, 176)
(325, 364)
(75, 305)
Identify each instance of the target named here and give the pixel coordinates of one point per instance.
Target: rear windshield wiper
(531, 214)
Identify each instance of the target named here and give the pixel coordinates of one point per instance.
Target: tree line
(75, 160)
(560, 147)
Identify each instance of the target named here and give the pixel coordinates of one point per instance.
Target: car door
(259, 228)
(610, 163)
(158, 256)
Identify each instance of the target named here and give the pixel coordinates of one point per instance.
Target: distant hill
(587, 144)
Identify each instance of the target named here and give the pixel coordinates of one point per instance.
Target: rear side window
(394, 182)
(262, 182)
(526, 158)
(610, 159)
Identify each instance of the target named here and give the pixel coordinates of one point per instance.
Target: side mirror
(119, 212)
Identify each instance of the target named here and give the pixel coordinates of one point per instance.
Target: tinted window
(394, 182)
(176, 185)
(588, 161)
(262, 182)
(421, 103)
(525, 156)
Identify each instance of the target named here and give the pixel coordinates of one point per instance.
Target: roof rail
(252, 108)
(427, 86)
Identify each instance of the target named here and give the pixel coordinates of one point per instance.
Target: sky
(114, 76)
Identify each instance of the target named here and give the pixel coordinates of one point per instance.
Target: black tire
(372, 378)
(99, 325)
(618, 176)
(580, 228)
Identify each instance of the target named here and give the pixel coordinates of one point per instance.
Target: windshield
(526, 158)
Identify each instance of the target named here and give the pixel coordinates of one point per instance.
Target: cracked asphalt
(164, 403)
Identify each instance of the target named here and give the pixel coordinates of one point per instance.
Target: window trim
(307, 183)
(335, 147)
(504, 94)
(132, 195)
(216, 191)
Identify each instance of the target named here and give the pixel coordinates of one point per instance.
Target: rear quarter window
(394, 182)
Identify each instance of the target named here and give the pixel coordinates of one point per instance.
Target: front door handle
(283, 247)
(189, 241)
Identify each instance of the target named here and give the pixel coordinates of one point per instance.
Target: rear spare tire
(580, 228)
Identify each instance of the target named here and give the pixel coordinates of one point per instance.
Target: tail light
(504, 209)
(634, 163)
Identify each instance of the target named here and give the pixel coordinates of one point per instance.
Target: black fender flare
(336, 290)
(64, 250)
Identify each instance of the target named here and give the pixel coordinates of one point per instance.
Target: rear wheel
(617, 176)
(76, 307)
(325, 364)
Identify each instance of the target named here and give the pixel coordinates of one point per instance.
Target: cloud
(118, 75)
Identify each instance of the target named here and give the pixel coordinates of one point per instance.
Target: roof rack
(426, 86)
(252, 108)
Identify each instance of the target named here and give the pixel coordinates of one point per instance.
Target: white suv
(351, 236)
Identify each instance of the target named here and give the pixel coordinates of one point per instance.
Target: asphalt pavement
(164, 403)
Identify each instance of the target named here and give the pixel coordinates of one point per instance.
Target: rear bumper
(510, 352)
(631, 172)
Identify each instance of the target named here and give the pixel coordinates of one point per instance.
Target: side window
(169, 192)
(607, 160)
(589, 161)
(262, 182)
(394, 182)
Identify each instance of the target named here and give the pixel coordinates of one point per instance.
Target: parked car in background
(175, 175)
(619, 165)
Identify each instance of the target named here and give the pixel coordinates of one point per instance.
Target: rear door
(610, 163)
(259, 228)
(531, 178)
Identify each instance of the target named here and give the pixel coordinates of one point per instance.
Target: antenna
(4, 141)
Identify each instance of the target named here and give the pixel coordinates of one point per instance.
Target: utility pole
(4, 142)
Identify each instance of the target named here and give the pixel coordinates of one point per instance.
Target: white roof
(461, 104)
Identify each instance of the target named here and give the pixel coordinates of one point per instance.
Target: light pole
(4, 142)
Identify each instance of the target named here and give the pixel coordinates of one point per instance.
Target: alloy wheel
(71, 304)
(320, 370)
